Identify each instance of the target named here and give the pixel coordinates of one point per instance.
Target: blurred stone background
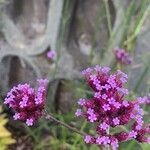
(77, 30)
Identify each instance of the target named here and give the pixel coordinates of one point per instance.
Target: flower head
(114, 144)
(133, 134)
(88, 139)
(51, 54)
(29, 122)
(92, 117)
(104, 126)
(78, 112)
(26, 102)
(123, 57)
(81, 101)
(16, 116)
(108, 108)
(116, 121)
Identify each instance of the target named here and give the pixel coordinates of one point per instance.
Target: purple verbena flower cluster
(108, 108)
(26, 102)
(123, 56)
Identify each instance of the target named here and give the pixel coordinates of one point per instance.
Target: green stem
(107, 146)
(108, 16)
(141, 78)
(138, 28)
(51, 118)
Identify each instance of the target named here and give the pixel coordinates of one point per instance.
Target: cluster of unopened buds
(26, 102)
(108, 108)
(123, 56)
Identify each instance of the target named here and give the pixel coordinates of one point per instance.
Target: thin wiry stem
(107, 147)
(51, 118)
(108, 16)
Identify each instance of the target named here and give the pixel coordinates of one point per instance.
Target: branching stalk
(51, 118)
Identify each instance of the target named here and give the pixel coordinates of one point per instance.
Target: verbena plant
(106, 110)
